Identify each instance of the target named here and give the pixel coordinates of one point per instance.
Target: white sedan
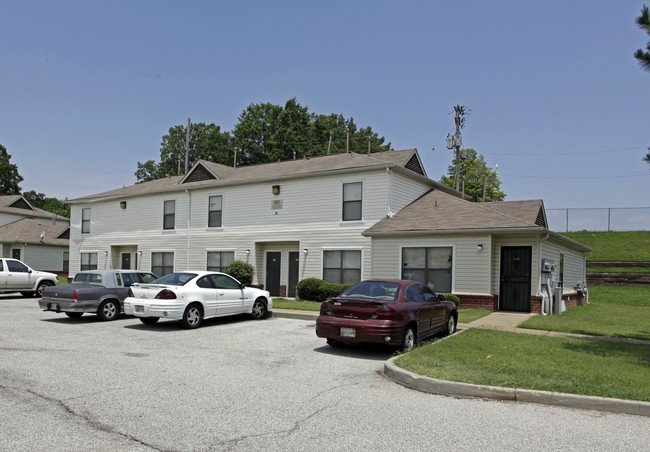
(192, 296)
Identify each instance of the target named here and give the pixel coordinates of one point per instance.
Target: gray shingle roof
(28, 230)
(218, 174)
(33, 212)
(436, 211)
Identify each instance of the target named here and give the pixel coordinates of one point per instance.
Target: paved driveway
(247, 385)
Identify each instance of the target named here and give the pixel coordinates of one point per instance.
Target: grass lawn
(627, 246)
(469, 315)
(574, 366)
(632, 296)
(301, 305)
(642, 270)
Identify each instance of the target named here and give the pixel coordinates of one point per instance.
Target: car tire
(108, 310)
(259, 309)
(193, 316)
(334, 343)
(450, 327)
(149, 320)
(408, 341)
(74, 315)
(28, 294)
(40, 288)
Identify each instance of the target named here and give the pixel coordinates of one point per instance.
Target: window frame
(344, 202)
(221, 251)
(220, 226)
(167, 215)
(426, 269)
(89, 265)
(163, 266)
(85, 222)
(342, 269)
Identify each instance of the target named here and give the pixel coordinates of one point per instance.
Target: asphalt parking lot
(244, 385)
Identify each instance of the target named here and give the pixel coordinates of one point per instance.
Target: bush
(315, 289)
(241, 271)
(451, 297)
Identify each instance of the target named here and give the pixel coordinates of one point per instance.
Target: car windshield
(175, 279)
(373, 290)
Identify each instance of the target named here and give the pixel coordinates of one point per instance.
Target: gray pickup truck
(98, 292)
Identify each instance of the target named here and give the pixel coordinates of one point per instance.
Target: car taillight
(166, 294)
(129, 293)
(384, 313)
(74, 295)
(325, 310)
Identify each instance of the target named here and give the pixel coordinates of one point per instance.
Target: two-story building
(342, 218)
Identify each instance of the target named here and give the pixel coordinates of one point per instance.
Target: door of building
(15, 253)
(126, 261)
(273, 266)
(514, 292)
(294, 261)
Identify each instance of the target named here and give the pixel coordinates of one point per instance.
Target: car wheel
(451, 325)
(108, 310)
(41, 287)
(192, 317)
(408, 341)
(259, 309)
(74, 315)
(334, 343)
(149, 320)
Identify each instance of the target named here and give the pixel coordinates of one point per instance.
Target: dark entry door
(294, 260)
(126, 261)
(514, 292)
(273, 262)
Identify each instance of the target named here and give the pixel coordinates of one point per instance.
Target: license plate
(348, 332)
(54, 306)
(139, 309)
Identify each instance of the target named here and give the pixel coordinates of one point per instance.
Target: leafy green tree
(207, 142)
(9, 177)
(40, 201)
(256, 134)
(643, 21)
(473, 172)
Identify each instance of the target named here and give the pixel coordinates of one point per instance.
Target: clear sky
(88, 88)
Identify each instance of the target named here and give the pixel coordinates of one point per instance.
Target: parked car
(16, 276)
(98, 292)
(193, 296)
(394, 312)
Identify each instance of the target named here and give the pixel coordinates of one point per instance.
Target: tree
(473, 172)
(9, 177)
(643, 21)
(647, 157)
(40, 201)
(207, 142)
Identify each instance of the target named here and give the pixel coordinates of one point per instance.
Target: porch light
(122, 204)
(305, 251)
(275, 189)
(479, 247)
(248, 252)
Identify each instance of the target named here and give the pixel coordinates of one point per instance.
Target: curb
(294, 314)
(434, 386)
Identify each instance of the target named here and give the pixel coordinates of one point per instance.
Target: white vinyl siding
(574, 263)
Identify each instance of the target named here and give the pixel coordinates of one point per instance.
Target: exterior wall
(309, 218)
(403, 191)
(531, 240)
(39, 257)
(469, 275)
(575, 263)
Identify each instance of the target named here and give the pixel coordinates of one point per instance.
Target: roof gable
(21, 203)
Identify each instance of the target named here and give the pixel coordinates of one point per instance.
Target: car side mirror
(441, 297)
(242, 286)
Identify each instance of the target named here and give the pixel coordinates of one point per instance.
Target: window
(66, 261)
(85, 221)
(414, 294)
(162, 263)
(215, 211)
(430, 265)
(169, 215)
(88, 261)
(219, 260)
(342, 266)
(561, 276)
(17, 267)
(352, 201)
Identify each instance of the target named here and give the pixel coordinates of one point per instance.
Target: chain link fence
(599, 219)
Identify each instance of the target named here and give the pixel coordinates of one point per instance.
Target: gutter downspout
(189, 223)
(390, 193)
(547, 295)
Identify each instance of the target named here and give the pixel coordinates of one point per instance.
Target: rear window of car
(373, 290)
(88, 278)
(176, 279)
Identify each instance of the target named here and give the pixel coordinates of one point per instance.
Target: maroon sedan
(391, 311)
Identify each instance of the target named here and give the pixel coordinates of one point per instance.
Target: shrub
(451, 297)
(241, 271)
(315, 289)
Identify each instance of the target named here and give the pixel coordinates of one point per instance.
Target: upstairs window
(85, 221)
(169, 215)
(352, 201)
(215, 211)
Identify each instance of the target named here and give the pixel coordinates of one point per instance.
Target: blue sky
(88, 89)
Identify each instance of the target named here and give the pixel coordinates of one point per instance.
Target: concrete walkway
(502, 321)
